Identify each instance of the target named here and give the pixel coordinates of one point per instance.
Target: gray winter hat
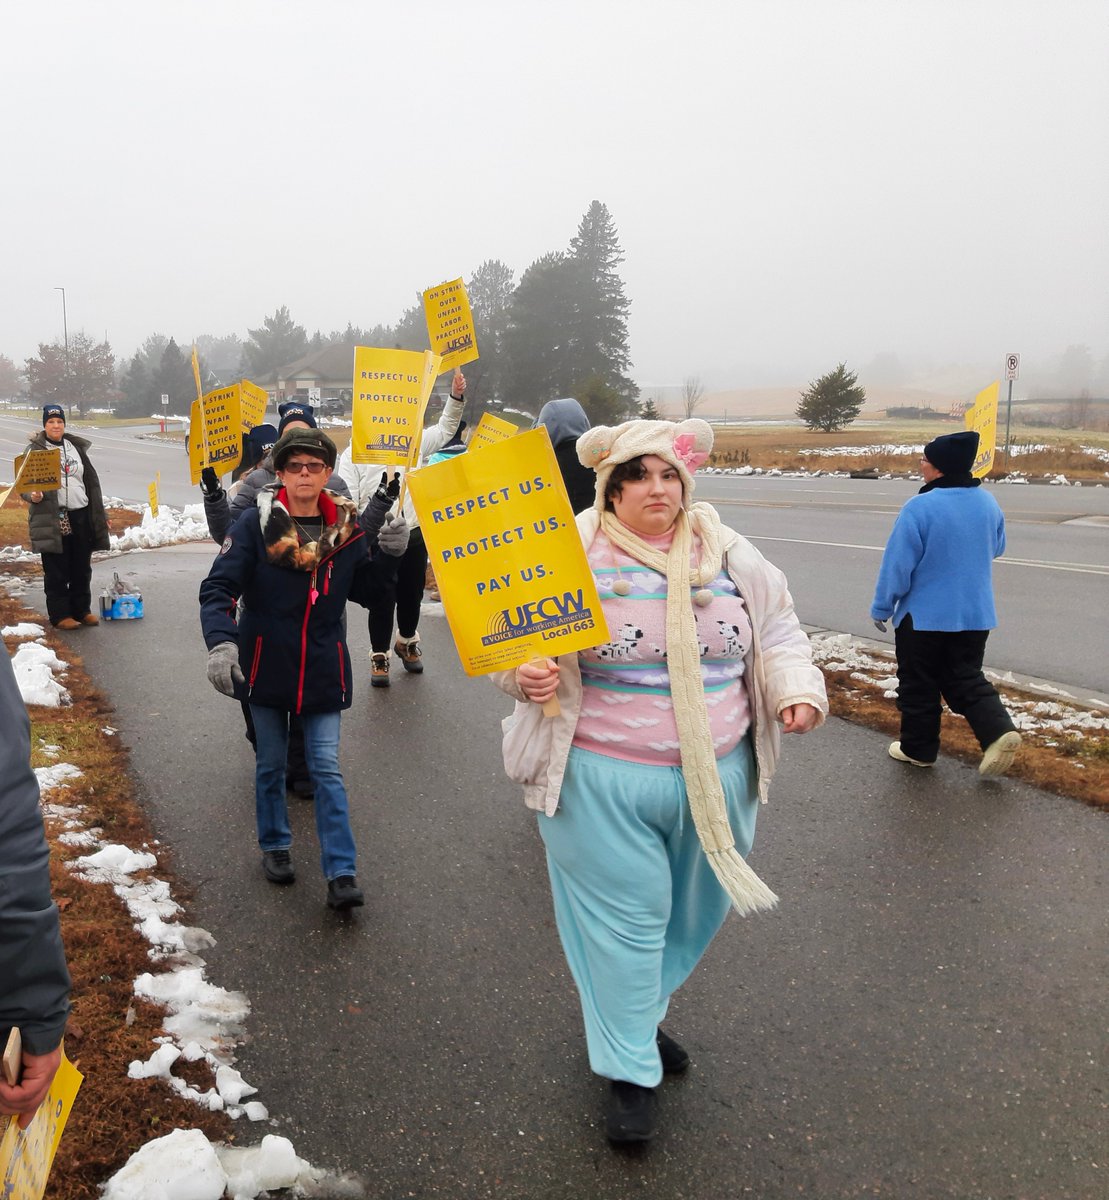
(311, 441)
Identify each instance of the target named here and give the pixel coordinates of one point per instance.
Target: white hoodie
(363, 479)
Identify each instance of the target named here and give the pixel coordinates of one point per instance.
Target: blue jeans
(321, 750)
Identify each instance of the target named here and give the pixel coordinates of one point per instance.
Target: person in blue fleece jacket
(936, 583)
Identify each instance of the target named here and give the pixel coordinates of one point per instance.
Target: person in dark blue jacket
(294, 559)
(936, 583)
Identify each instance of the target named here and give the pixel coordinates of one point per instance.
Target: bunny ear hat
(685, 445)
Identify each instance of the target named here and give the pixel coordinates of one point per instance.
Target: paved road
(923, 1017)
(1052, 584)
(828, 535)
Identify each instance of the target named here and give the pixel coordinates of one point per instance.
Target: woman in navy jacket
(295, 559)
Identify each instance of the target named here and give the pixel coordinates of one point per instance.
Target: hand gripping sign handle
(551, 707)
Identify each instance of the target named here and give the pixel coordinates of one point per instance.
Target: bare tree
(693, 392)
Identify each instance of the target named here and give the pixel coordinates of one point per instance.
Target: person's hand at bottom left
(25, 1097)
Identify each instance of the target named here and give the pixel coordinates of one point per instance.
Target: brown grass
(782, 446)
(1074, 766)
(114, 1115)
(13, 525)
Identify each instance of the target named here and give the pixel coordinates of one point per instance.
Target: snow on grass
(203, 1021)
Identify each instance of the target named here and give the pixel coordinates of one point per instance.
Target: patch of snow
(35, 667)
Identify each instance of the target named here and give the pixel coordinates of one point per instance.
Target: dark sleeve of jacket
(34, 981)
(373, 517)
(228, 578)
(217, 509)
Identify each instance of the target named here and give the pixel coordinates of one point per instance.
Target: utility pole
(65, 334)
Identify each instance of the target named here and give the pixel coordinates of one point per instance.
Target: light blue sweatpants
(635, 899)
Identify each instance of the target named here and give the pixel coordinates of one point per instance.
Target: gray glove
(392, 537)
(880, 625)
(223, 668)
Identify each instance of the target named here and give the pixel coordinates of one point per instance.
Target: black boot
(344, 892)
(674, 1058)
(278, 866)
(630, 1113)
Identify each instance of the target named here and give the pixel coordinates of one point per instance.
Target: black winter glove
(210, 484)
(388, 489)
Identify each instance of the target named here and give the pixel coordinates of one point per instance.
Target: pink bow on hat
(684, 449)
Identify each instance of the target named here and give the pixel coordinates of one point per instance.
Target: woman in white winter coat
(402, 592)
(649, 779)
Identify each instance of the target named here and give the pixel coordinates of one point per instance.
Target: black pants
(402, 589)
(67, 577)
(931, 665)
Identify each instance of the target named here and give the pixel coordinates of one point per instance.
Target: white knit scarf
(683, 660)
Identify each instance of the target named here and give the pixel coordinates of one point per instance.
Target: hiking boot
(409, 654)
(901, 756)
(344, 892)
(998, 756)
(90, 619)
(674, 1058)
(67, 623)
(379, 670)
(278, 866)
(630, 1112)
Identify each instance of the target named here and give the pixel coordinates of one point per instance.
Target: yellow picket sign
(153, 491)
(39, 470)
(391, 391)
(216, 427)
(196, 374)
(253, 401)
(26, 1156)
(491, 430)
(510, 565)
(450, 324)
(982, 417)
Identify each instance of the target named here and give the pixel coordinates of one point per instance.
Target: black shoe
(344, 892)
(278, 866)
(305, 789)
(630, 1114)
(674, 1058)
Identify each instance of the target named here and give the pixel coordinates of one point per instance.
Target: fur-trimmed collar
(340, 522)
(42, 442)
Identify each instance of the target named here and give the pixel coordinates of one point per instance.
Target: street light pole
(65, 334)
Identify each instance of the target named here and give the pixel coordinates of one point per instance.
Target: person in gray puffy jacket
(34, 994)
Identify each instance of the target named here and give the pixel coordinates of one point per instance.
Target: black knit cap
(52, 410)
(310, 441)
(953, 453)
(291, 411)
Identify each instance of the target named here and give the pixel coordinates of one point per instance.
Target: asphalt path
(922, 1017)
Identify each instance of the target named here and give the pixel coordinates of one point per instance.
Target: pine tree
(490, 293)
(833, 401)
(599, 329)
(537, 344)
(648, 410)
(277, 343)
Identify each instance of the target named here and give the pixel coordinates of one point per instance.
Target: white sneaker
(998, 756)
(901, 756)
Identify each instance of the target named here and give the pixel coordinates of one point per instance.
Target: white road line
(1077, 568)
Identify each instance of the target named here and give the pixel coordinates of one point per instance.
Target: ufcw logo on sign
(393, 442)
(539, 616)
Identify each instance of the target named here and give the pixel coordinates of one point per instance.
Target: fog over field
(917, 188)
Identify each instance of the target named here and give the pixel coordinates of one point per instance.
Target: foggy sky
(794, 182)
